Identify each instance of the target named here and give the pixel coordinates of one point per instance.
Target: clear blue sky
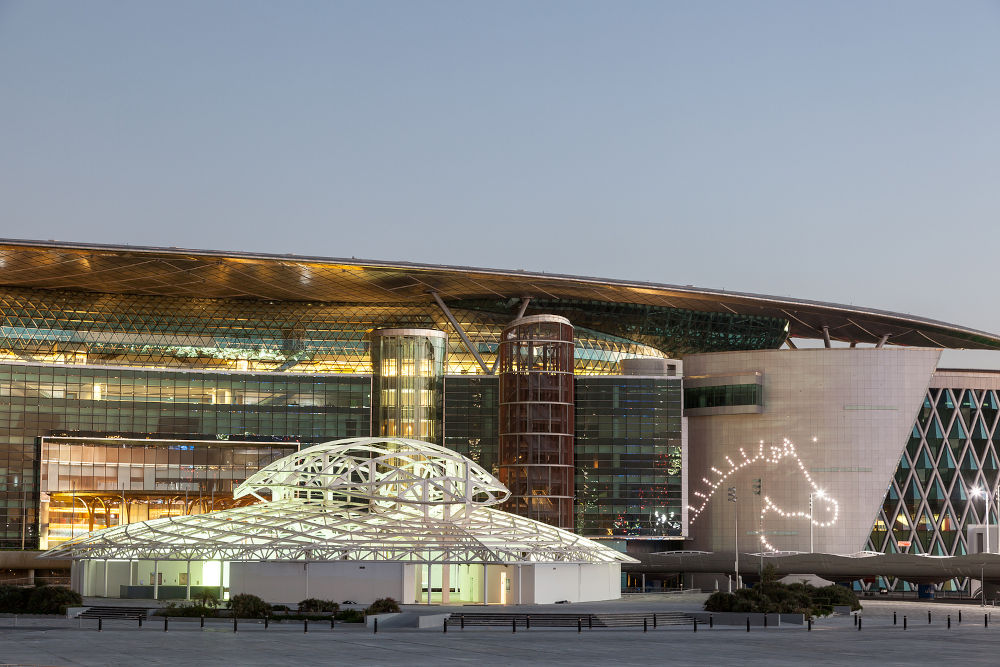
(846, 151)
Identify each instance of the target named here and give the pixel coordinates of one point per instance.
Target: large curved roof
(215, 274)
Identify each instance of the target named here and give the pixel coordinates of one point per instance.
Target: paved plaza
(61, 642)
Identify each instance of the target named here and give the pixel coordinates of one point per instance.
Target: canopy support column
(461, 333)
(445, 583)
(156, 580)
(105, 577)
(187, 591)
(485, 586)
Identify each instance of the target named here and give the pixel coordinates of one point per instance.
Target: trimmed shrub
(837, 595)
(13, 599)
(313, 605)
(773, 597)
(52, 600)
(351, 616)
(383, 606)
(187, 610)
(247, 605)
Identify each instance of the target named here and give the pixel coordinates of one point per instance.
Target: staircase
(568, 620)
(124, 613)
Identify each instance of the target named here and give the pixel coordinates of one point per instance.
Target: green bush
(207, 598)
(51, 600)
(383, 606)
(720, 601)
(187, 610)
(351, 616)
(279, 607)
(773, 597)
(13, 599)
(247, 605)
(312, 605)
(837, 595)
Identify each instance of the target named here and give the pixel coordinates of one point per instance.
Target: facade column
(305, 572)
(31, 576)
(446, 584)
(187, 592)
(430, 581)
(486, 587)
(156, 580)
(106, 562)
(83, 577)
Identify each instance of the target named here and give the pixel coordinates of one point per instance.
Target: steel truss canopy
(234, 275)
(363, 499)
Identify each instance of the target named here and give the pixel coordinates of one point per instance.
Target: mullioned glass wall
(471, 418)
(629, 457)
(952, 451)
(65, 327)
(45, 400)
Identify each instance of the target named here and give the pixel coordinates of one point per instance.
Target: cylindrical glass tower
(407, 368)
(536, 418)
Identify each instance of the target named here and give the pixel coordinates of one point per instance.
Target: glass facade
(723, 396)
(672, 331)
(44, 400)
(94, 483)
(409, 366)
(471, 418)
(952, 450)
(65, 327)
(629, 457)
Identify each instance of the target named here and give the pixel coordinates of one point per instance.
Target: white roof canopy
(366, 499)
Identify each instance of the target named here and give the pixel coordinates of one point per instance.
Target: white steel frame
(363, 499)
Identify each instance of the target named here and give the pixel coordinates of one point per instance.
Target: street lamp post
(736, 528)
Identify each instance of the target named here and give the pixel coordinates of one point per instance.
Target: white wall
(575, 582)
(345, 580)
(859, 404)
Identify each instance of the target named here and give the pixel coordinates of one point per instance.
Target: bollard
(333, 620)
(748, 624)
(928, 617)
(986, 620)
(462, 619)
(904, 621)
(527, 622)
(654, 620)
(140, 622)
(711, 621)
(513, 624)
(375, 627)
(949, 621)
(894, 618)
(202, 622)
(266, 620)
(590, 622)
(695, 625)
(959, 615)
(305, 625)
(765, 620)
(445, 626)
(579, 625)
(644, 627)
(165, 619)
(809, 622)
(855, 620)
(234, 624)
(100, 625)
(859, 624)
